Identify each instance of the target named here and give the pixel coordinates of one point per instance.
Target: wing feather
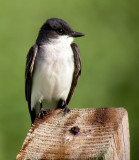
(31, 57)
(77, 70)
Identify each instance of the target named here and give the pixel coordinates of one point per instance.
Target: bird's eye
(60, 31)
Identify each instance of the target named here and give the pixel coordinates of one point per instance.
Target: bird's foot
(66, 110)
(42, 113)
(63, 105)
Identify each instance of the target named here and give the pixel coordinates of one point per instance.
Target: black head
(55, 27)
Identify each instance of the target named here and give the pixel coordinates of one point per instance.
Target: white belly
(52, 77)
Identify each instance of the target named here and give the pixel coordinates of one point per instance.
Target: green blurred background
(109, 53)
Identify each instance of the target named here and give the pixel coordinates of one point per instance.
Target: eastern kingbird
(53, 67)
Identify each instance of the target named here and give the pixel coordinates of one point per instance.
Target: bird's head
(57, 29)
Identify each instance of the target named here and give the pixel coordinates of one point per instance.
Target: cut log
(98, 134)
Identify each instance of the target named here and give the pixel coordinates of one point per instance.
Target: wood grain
(97, 134)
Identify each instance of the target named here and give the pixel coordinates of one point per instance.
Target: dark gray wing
(31, 56)
(77, 70)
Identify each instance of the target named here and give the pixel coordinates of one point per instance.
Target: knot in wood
(75, 130)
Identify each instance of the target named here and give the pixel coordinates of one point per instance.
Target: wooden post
(97, 134)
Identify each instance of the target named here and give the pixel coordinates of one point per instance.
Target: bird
(53, 67)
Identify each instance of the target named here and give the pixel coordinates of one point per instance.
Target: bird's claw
(66, 110)
(42, 113)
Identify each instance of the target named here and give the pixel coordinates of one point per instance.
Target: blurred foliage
(109, 53)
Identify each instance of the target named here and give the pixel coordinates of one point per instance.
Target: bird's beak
(77, 34)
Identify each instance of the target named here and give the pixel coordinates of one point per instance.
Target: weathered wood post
(81, 134)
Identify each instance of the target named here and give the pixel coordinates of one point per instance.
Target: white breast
(53, 73)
